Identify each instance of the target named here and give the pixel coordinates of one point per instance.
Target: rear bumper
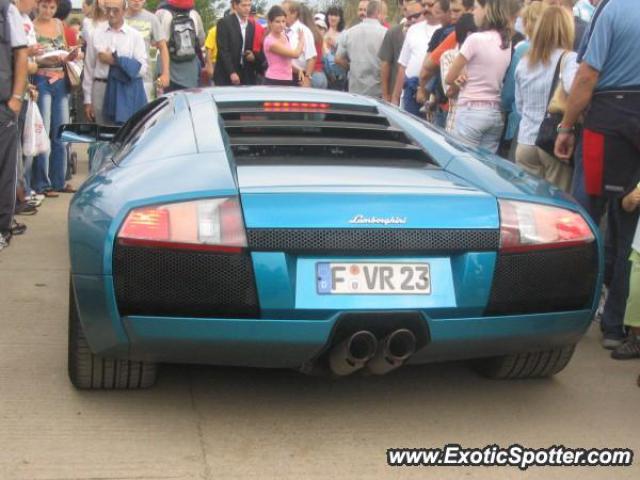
(290, 343)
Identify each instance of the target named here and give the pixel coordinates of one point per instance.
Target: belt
(103, 80)
(479, 104)
(618, 91)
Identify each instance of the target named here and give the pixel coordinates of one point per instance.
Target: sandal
(67, 189)
(18, 228)
(25, 209)
(50, 194)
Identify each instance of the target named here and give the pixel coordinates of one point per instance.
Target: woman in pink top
(479, 70)
(278, 50)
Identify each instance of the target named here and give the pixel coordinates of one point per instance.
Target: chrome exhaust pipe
(353, 353)
(393, 351)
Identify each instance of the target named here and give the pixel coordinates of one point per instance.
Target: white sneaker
(3, 242)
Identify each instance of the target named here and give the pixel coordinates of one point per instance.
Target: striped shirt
(533, 86)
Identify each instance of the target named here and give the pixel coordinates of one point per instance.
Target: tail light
(529, 226)
(214, 224)
(295, 106)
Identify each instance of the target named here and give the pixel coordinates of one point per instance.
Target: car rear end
(347, 246)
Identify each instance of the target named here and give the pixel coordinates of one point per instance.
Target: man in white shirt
(33, 49)
(114, 38)
(362, 9)
(305, 63)
(414, 49)
(358, 50)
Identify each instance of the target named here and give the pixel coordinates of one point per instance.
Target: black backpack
(6, 53)
(183, 43)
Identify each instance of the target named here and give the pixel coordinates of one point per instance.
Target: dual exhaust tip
(362, 349)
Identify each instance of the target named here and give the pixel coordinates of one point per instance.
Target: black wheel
(545, 363)
(90, 372)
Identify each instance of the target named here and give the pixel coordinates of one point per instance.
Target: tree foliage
(262, 6)
(350, 8)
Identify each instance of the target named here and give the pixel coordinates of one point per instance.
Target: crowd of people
(504, 75)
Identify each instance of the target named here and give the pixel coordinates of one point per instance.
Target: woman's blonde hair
(554, 29)
(530, 16)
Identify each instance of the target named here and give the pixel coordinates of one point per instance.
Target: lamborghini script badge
(360, 219)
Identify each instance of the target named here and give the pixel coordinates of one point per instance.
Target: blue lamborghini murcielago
(318, 231)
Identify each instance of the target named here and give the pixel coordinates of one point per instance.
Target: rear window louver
(308, 133)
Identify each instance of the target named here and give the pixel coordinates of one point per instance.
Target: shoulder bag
(556, 105)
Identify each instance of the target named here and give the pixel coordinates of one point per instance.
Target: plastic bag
(35, 139)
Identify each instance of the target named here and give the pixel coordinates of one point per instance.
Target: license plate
(373, 278)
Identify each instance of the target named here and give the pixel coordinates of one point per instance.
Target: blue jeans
(621, 227)
(409, 103)
(319, 80)
(28, 169)
(49, 170)
(479, 127)
(440, 117)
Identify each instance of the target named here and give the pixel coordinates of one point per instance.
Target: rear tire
(91, 372)
(540, 364)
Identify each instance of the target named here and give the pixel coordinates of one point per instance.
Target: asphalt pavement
(202, 422)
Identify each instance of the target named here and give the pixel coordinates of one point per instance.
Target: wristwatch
(562, 129)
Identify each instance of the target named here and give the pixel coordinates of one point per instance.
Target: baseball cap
(320, 20)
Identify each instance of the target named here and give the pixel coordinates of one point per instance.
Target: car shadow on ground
(409, 384)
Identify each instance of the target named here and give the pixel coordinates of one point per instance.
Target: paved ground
(223, 423)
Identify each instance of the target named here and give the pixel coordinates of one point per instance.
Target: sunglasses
(415, 16)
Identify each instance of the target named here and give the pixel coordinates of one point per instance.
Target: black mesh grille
(152, 281)
(544, 281)
(369, 240)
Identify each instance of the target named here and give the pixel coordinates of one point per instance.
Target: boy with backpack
(183, 27)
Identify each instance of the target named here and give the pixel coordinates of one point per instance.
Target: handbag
(556, 105)
(73, 71)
